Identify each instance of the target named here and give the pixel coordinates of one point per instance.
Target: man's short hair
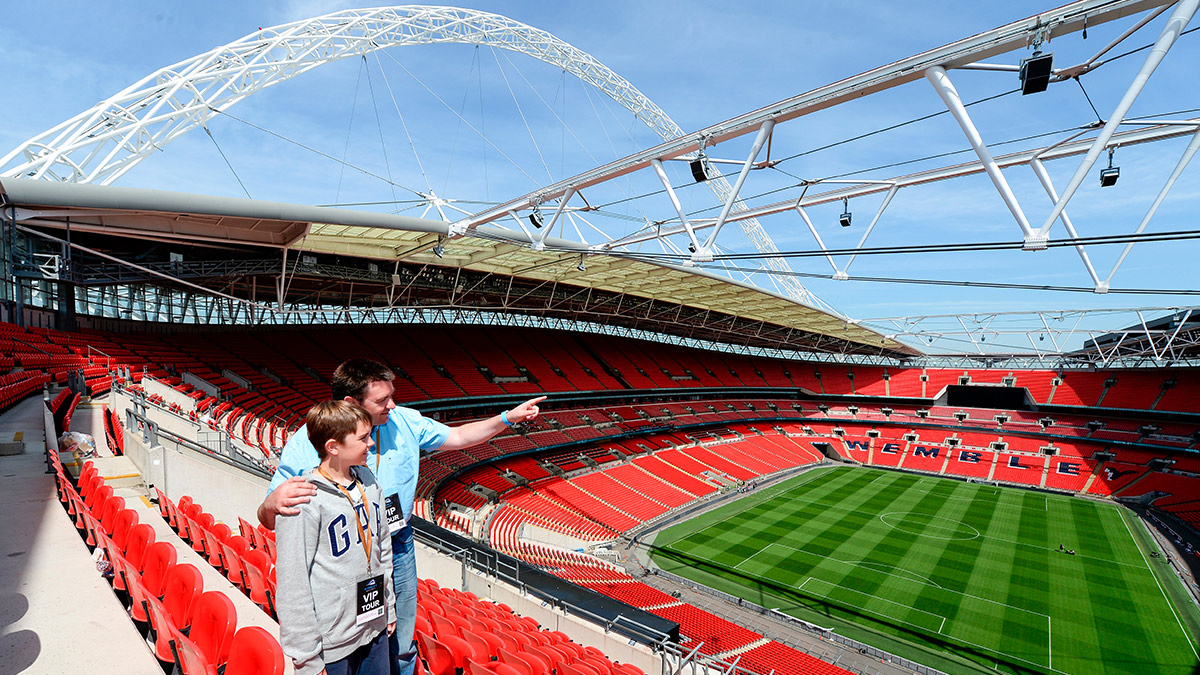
(333, 420)
(354, 376)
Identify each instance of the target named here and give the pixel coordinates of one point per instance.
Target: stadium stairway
(58, 614)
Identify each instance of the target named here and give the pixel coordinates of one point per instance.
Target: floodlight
(1109, 176)
(1035, 73)
(438, 249)
(581, 266)
(844, 219)
(535, 218)
(700, 167)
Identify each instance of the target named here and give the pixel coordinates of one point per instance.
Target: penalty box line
(875, 597)
(1047, 665)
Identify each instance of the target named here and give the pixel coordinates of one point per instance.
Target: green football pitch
(961, 576)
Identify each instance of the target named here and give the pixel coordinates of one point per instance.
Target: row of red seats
(114, 431)
(249, 565)
(186, 626)
(458, 631)
(11, 394)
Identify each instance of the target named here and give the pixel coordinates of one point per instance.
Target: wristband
(504, 418)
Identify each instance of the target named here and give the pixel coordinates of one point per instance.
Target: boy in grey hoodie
(335, 601)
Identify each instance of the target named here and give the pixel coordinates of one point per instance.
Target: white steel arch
(101, 144)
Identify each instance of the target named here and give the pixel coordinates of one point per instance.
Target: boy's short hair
(354, 376)
(333, 420)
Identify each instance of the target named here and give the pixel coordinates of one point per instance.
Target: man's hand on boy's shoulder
(286, 499)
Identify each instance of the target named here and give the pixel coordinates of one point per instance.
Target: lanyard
(364, 536)
(378, 451)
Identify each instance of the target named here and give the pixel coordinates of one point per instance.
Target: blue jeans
(369, 659)
(404, 581)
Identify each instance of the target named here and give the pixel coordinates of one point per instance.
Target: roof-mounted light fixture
(701, 169)
(1035, 72)
(1109, 176)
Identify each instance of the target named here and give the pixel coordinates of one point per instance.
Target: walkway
(57, 615)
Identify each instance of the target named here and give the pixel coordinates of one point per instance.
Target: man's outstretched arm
(475, 433)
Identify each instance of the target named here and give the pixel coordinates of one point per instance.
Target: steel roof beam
(1060, 21)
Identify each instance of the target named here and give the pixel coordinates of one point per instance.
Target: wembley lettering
(1068, 468)
(969, 456)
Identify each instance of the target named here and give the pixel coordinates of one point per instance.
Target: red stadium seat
(123, 522)
(214, 622)
(255, 567)
(139, 539)
(254, 651)
(181, 588)
(191, 659)
(159, 559)
(162, 629)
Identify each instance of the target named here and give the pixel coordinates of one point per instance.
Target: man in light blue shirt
(401, 435)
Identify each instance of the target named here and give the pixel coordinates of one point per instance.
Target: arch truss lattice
(103, 143)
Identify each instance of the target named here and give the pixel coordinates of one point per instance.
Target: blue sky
(701, 62)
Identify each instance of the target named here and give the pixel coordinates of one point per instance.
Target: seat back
(125, 520)
(214, 621)
(212, 546)
(512, 660)
(140, 537)
(254, 652)
(233, 566)
(137, 595)
(254, 567)
(438, 658)
(108, 514)
(162, 503)
(192, 660)
(180, 590)
(245, 528)
(159, 559)
(119, 565)
(259, 559)
(99, 497)
(220, 530)
(162, 629)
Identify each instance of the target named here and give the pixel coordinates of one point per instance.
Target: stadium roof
(490, 273)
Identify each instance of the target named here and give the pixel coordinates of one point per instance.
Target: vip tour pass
(370, 599)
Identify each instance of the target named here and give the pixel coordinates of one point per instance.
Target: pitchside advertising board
(1067, 467)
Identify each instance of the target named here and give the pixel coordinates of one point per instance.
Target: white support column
(887, 199)
(945, 88)
(970, 336)
(539, 244)
(816, 236)
(1149, 336)
(704, 253)
(520, 224)
(1049, 332)
(1044, 177)
(1170, 32)
(662, 176)
(1188, 153)
(1169, 347)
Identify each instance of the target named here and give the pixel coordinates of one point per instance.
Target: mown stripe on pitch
(1123, 642)
(952, 570)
